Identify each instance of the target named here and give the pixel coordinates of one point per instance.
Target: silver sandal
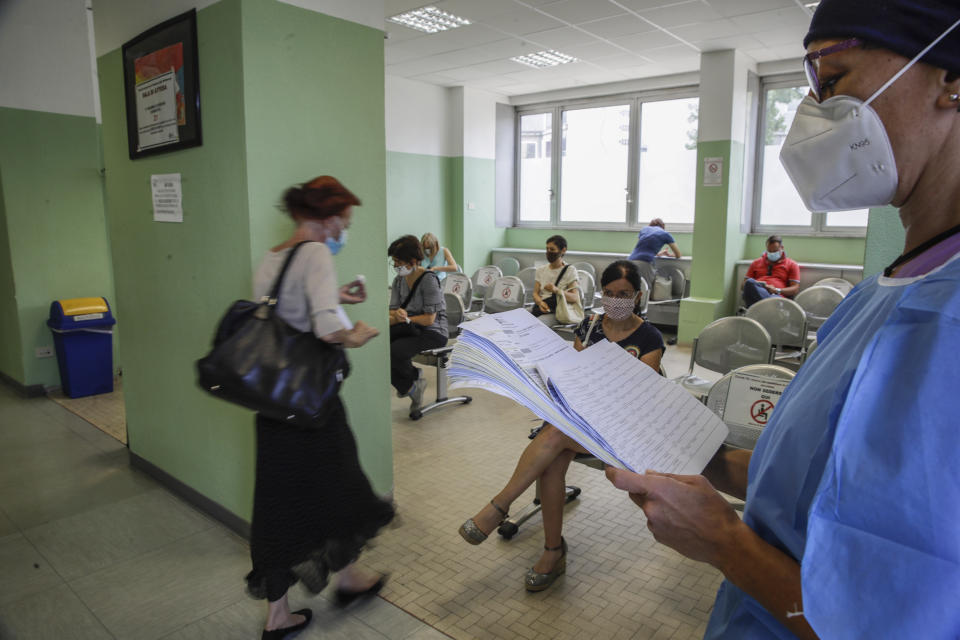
(534, 581)
(470, 532)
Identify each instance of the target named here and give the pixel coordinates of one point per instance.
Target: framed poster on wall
(162, 88)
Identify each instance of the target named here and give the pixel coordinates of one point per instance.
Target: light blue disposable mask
(336, 244)
(773, 257)
(403, 270)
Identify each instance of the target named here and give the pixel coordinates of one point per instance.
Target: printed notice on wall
(157, 111)
(712, 172)
(167, 197)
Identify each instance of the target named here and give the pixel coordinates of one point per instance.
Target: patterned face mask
(618, 308)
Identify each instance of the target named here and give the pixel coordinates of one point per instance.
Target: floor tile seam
(210, 524)
(145, 553)
(202, 618)
(66, 584)
(11, 521)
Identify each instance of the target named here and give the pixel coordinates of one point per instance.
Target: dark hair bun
(320, 198)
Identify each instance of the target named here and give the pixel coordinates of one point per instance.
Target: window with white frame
(620, 162)
(777, 207)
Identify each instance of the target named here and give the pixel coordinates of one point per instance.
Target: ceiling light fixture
(429, 19)
(543, 59)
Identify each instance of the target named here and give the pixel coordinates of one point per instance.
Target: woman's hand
(397, 316)
(353, 293)
(685, 513)
(361, 334)
(549, 287)
(543, 306)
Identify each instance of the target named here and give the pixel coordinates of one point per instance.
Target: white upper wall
(419, 118)
(456, 121)
(116, 21)
(119, 20)
(365, 12)
(45, 49)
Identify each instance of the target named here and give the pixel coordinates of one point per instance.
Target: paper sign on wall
(712, 172)
(167, 197)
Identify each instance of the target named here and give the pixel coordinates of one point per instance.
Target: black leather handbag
(260, 362)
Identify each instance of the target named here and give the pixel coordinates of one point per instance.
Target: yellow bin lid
(82, 306)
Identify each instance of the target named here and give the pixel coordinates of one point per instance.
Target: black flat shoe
(286, 632)
(344, 598)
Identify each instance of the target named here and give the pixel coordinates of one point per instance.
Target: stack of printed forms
(614, 405)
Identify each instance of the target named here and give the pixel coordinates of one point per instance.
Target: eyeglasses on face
(811, 62)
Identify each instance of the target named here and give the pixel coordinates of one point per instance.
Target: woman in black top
(549, 454)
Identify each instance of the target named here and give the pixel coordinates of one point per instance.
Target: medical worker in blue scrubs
(852, 521)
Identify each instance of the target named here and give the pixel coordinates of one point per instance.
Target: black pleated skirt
(313, 507)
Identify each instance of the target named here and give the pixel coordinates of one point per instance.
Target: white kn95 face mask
(837, 152)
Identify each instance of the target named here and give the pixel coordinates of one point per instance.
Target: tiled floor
(619, 583)
(90, 548)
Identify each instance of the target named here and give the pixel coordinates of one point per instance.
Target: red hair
(319, 199)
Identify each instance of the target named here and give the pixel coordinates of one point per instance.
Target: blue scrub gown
(856, 475)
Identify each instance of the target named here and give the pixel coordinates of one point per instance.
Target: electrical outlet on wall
(45, 352)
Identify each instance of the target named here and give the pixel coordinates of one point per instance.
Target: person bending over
(436, 258)
(549, 454)
(652, 241)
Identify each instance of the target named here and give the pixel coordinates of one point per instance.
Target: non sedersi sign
(751, 400)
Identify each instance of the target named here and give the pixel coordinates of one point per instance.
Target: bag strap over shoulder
(274, 296)
(560, 277)
(416, 284)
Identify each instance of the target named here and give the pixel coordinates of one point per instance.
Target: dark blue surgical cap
(903, 26)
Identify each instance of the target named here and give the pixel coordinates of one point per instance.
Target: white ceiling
(615, 40)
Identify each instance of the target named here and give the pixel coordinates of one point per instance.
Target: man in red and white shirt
(772, 274)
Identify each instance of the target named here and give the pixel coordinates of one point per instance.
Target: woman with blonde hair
(436, 258)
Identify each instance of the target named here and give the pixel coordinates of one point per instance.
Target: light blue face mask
(773, 257)
(336, 244)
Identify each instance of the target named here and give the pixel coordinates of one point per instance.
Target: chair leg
(442, 399)
(509, 528)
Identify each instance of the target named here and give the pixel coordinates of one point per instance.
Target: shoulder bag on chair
(567, 312)
(262, 363)
(408, 329)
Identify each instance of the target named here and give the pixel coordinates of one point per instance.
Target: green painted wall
(11, 349)
(55, 227)
(175, 280)
(475, 201)
(419, 198)
(269, 120)
(314, 104)
(811, 249)
(885, 240)
(611, 241)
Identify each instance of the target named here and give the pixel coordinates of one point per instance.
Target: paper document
(610, 402)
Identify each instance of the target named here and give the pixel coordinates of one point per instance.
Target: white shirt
(310, 294)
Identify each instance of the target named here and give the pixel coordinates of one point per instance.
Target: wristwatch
(407, 319)
(777, 289)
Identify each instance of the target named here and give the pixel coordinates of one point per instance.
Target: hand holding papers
(610, 402)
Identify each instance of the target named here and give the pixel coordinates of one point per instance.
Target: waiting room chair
(459, 284)
(810, 349)
(528, 277)
(744, 436)
(586, 266)
(841, 285)
(818, 303)
(724, 345)
(509, 266)
(440, 358)
(786, 322)
(647, 272)
(482, 279)
(588, 289)
(505, 294)
(678, 283)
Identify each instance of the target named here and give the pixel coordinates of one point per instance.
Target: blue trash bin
(83, 336)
